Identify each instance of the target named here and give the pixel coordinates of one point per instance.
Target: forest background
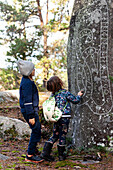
(37, 31)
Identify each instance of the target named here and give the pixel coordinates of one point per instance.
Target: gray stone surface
(90, 63)
(20, 128)
(9, 95)
(3, 157)
(89, 162)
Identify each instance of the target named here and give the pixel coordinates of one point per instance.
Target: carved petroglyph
(90, 62)
(91, 44)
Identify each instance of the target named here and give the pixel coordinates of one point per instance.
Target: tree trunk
(40, 13)
(90, 63)
(46, 72)
(45, 34)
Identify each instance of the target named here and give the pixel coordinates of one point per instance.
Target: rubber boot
(46, 152)
(61, 154)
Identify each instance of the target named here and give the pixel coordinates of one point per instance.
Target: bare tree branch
(40, 13)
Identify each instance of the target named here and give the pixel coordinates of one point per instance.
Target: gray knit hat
(25, 67)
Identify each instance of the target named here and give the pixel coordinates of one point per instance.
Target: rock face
(9, 96)
(90, 64)
(13, 127)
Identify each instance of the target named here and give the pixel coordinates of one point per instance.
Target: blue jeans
(35, 134)
(60, 130)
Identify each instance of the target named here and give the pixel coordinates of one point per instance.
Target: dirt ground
(16, 150)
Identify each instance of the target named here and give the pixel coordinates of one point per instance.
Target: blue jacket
(29, 98)
(63, 99)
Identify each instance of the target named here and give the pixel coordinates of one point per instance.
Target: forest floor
(16, 150)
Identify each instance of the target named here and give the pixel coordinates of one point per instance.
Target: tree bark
(40, 13)
(45, 34)
(43, 26)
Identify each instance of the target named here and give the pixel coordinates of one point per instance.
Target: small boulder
(3, 157)
(15, 127)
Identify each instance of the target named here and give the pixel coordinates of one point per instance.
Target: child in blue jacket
(60, 129)
(29, 100)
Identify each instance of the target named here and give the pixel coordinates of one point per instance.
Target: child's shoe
(33, 158)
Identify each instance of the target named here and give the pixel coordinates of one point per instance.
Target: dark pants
(35, 134)
(60, 130)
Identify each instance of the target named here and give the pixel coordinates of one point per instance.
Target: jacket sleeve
(28, 99)
(73, 99)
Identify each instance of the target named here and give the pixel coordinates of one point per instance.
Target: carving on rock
(92, 68)
(89, 57)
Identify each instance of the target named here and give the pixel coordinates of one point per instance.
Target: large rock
(90, 64)
(13, 127)
(9, 95)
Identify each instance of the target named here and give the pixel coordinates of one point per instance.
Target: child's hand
(32, 121)
(80, 93)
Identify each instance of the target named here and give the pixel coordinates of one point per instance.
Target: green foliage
(26, 163)
(9, 79)
(61, 18)
(111, 78)
(23, 155)
(1, 166)
(56, 63)
(21, 158)
(15, 151)
(92, 167)
(21, 48)
(95, 149)
(5, 151)
(10, 166)
(22, 42)
(1, 124)
(9, 169)
(68, 163)
(25, 136)
(29, 39)
(68, 140)
(11, 132)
